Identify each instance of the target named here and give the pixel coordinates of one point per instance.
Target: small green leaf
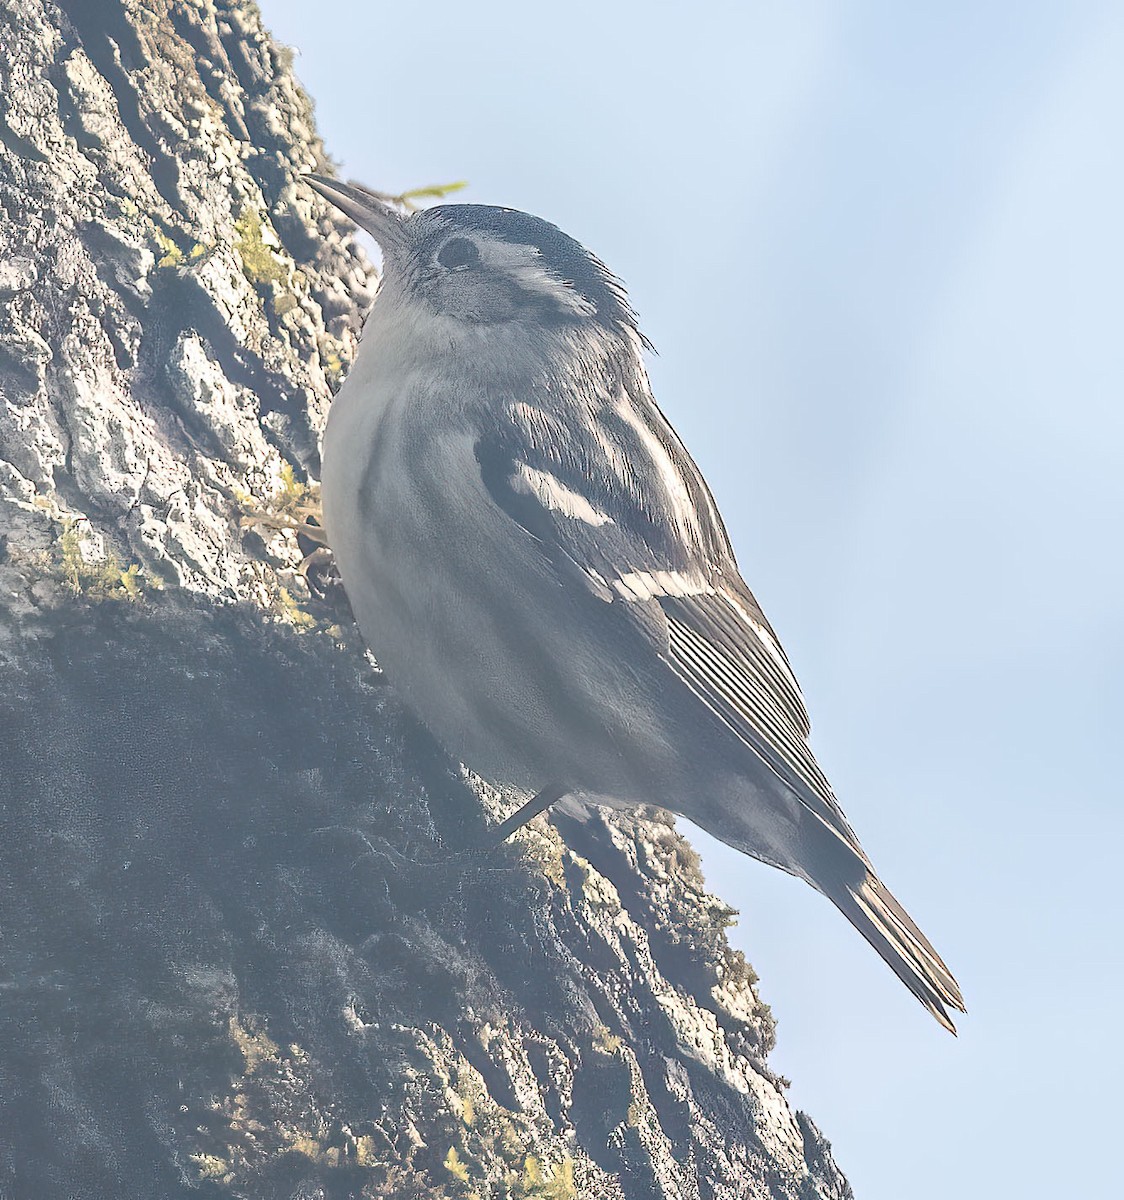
(435, 191)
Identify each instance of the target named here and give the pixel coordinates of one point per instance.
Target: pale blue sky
(879, 249)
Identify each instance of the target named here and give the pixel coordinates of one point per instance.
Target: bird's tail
(870, 906)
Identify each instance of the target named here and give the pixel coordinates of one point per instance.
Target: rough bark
(244, 949)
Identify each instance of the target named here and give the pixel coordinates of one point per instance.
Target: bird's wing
(618, 506)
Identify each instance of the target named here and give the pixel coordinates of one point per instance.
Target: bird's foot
(527, 812)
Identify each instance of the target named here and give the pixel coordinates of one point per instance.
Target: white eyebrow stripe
(524, 265)
(555, 495)
(645, 585)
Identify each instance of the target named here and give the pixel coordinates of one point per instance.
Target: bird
(538, 564)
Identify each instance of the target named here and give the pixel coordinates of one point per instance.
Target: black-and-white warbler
(538, 563)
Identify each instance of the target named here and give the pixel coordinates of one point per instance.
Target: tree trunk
(244, 950)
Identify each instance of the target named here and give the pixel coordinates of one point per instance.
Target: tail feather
(876, 914)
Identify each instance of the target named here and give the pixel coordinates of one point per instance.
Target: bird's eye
(458, 254)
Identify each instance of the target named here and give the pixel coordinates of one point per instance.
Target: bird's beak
(365, 208)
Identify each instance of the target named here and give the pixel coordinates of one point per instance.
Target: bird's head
(483, 267)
